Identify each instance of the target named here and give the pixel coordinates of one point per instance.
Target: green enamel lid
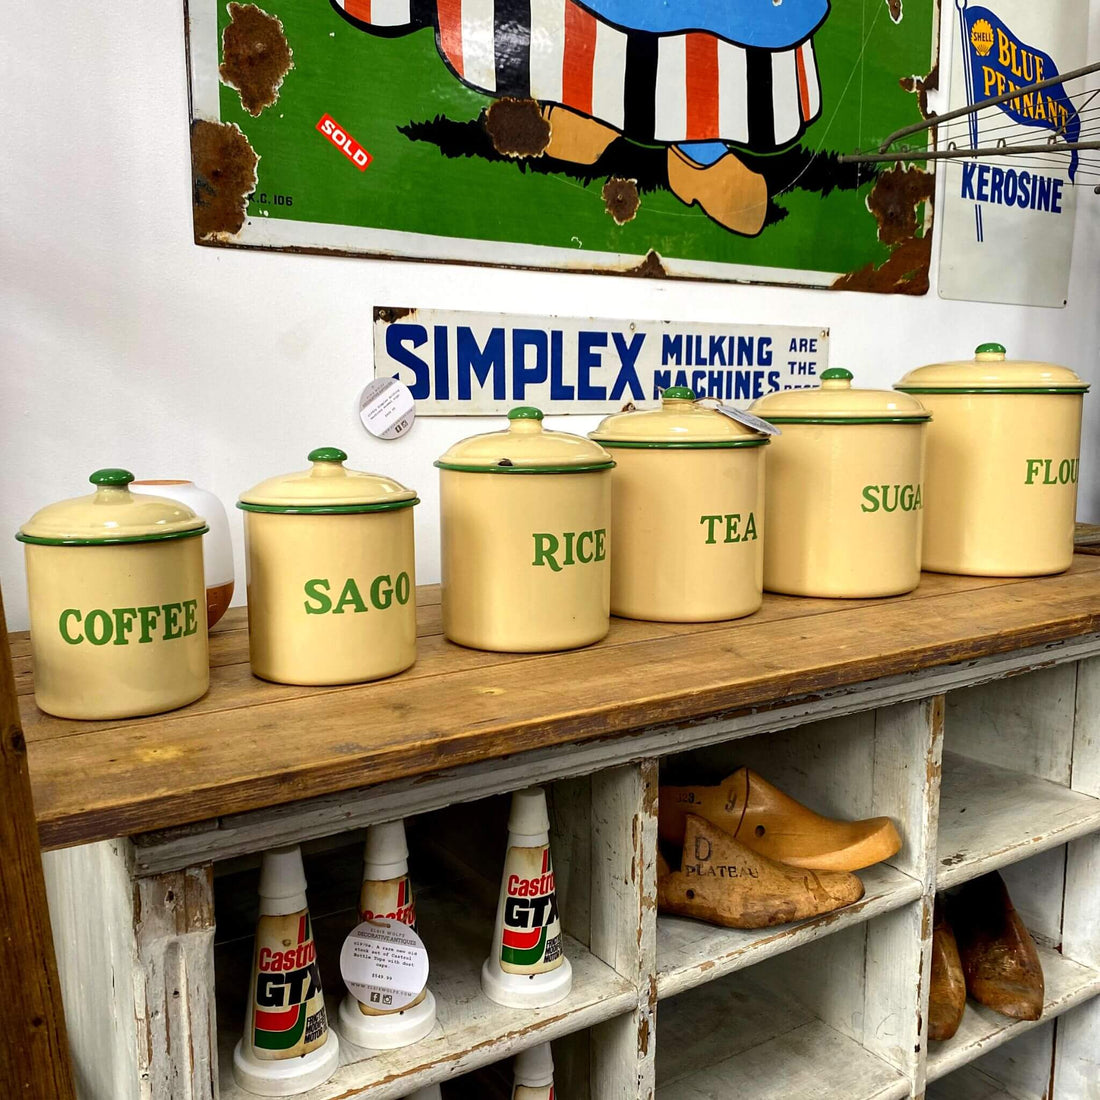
(991, 371)
(111, 515)
(327, 488)
(526, 447)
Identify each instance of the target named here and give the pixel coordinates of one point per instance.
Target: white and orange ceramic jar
(117, 603)
(845, 495)
(331, 566)
(526, 538)
(687, 512)
(1004, 453)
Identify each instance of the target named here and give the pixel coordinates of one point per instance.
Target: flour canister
(1003, 462)
(845, 494)
(117, 603)
(526, 538)
(331, 574)
(687, 510)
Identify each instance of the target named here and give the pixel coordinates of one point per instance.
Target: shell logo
(981, 37)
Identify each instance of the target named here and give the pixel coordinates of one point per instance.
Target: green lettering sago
(382, 591)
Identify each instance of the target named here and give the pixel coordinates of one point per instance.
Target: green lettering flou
(889, 498)
(152, 623)
(729, 526)
(572, 548)
(1066, 473)
(383, 590)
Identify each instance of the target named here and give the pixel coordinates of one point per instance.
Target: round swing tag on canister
(1004, 452)
(117, 602)
(525, 533)
(687, 510)
(331, 574)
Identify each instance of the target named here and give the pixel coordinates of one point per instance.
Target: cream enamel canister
(117, 603)
(525, 529)
(1004, 452)
(687, 510)
(331, 571)
(845, 493)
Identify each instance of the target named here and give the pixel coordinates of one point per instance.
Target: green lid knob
(836, 374)
(525, 412)
(327, 454)
(112, 476)
(990, 349)
(679, 393)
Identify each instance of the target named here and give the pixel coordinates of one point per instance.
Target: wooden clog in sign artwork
(947, 993)
(723, 882)
(769, 822)
(999, 958)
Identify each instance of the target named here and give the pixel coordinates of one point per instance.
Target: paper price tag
(742, 417)
(387, 408)
(384, 964)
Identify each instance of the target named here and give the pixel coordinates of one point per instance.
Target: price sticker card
(384, 964)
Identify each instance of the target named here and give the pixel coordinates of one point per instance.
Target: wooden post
(34, 1053)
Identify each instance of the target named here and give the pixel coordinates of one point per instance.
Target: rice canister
(331, 571)
(1004, 453)
(117, 603)
(526, 519)
(845, 492)
(687, 510)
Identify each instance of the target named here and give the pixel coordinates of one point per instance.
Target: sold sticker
(344, 142)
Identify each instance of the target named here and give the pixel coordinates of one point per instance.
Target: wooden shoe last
(723, 882)
(947, 995)
(999, 958)
(766, 820)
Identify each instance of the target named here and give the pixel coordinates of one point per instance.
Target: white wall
(125, 344)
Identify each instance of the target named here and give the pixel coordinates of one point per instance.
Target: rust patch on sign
(621, 200)
(921, 86)
(650, 268)
(517, 127)
(392, 313)
(894, 8)
(895, 201)
(255, 56)
(223, 175)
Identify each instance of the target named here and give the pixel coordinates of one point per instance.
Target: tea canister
(525, 529)
(117, 603)
(687, 511)
(845, 492)
(331, 573)
(1003, 461)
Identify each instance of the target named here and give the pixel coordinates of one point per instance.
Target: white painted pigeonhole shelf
(970, 713)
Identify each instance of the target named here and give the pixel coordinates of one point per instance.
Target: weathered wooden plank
(313, 818)
(187, 766)
(34, 1055)
(982, 826)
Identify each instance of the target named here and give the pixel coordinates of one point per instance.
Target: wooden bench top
(248, 744)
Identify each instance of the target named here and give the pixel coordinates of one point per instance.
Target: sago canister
(331, 574)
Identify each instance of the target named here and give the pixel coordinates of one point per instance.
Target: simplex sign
(473, 364)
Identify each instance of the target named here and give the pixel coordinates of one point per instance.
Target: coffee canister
(1004, 453)
(845, 492)
(687, 510)
(331, 569)
(526, 538)
(117, 603)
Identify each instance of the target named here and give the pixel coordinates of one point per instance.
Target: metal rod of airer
(966, 154)
(963, 112)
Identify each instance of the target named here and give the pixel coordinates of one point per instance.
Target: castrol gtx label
(531, 941)
(389, 898)
(288, 1005)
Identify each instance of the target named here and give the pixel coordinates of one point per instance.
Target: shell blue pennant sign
(1000, 62)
